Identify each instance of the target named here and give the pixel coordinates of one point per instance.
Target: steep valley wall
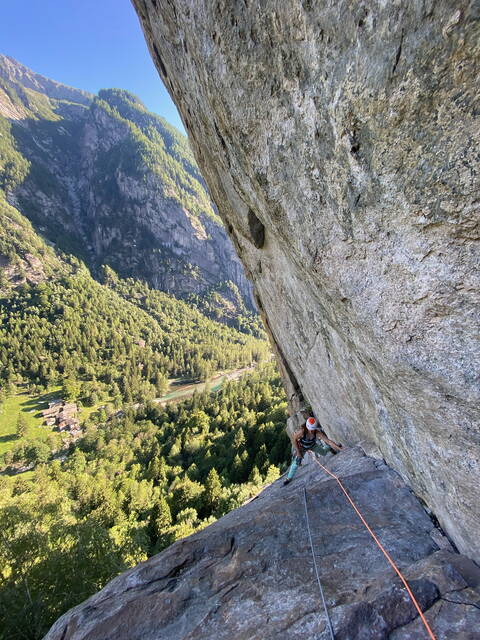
(92, 188)
(340, 144)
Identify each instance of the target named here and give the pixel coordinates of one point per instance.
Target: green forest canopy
(128, 488)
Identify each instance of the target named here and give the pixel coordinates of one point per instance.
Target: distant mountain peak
(15, 72)
(114, 94)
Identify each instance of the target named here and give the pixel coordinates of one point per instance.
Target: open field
(180, 389)
(30, 407)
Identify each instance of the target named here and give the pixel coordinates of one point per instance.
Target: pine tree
(237, 469)
(157, 470)
(273, 473)
(213, 490)
(162, 515)
(161, 383)
(71, 389)
(22, 426)
(255, 477)
(240, 439)
(3, 397)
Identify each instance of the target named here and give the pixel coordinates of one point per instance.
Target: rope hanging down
(329, 623)
(385, 553)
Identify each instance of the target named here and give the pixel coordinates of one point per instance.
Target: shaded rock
(257, 230)
(251, 575)
(351, 130)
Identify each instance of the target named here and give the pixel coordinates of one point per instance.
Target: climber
(305, 439)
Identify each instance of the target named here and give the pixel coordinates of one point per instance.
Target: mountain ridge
(12, 70)
(115, 184)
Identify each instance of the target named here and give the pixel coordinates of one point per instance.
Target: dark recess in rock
(220, 137)
(257, 230)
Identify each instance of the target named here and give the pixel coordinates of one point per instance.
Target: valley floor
(180, 389)
(30, 406)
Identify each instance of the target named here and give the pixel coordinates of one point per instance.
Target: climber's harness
(307, 443)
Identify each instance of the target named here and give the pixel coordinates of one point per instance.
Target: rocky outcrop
(251, 575)
(115, 184)
(138, 225)
(339, 141)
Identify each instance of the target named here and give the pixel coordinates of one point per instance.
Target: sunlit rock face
(340, 144)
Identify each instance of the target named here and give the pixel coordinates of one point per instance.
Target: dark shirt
(307, 443)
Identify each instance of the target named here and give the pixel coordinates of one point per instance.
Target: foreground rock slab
(250, 574)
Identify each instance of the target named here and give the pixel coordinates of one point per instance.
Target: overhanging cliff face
(338, 141)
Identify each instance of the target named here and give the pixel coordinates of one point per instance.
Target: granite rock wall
(340, 144)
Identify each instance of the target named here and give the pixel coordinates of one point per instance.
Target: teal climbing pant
(320, 447)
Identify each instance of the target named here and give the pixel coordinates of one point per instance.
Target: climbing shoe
(287, 481)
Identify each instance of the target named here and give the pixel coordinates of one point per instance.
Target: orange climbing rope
(385, 553)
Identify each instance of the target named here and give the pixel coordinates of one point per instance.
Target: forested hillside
(128, 338)
(128, 488)
(125, 472)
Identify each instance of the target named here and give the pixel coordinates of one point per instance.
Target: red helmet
(311, 424)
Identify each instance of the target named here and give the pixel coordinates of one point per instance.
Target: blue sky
(88, 44)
